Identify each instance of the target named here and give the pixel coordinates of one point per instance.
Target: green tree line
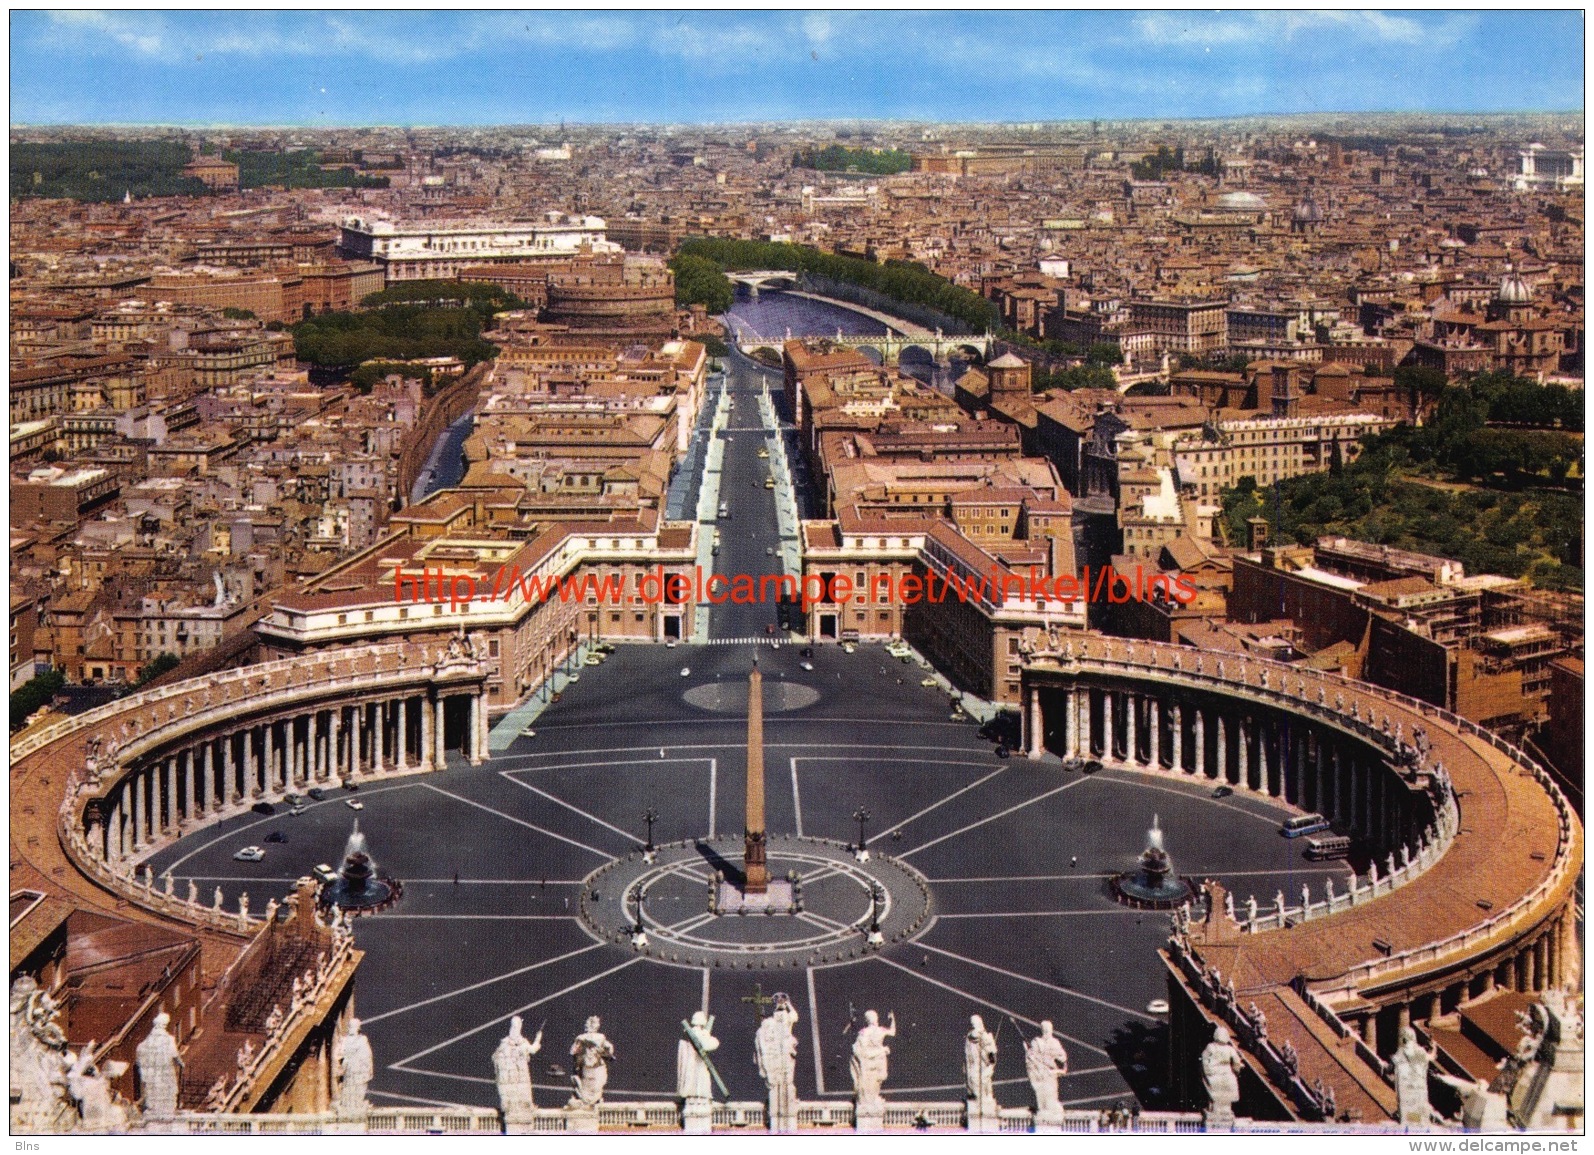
(101, 170)
(405, 323)
(905, 281)
(297, 169)
(840, 158)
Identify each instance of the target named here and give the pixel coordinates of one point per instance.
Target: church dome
(1241, 202)
(1307, 212)
(1514, 290)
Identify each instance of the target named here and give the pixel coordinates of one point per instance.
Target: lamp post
(649, 816)
(861, 817)
(875, 938)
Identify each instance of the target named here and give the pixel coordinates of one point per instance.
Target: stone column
(1131, 720)
(1107, 744)
(428, 743)
(334, 765)
(1200, 745)
(113, 833)
(1082, 735)
(1222, 751)
(483, 728)
(268, 758)
(380, 736)
(221, 789)
(1244, 752)
(141, 814)
(1033, 745)
(1176, 736)
(439, 733)
(1156, 732)
(1370, 1032)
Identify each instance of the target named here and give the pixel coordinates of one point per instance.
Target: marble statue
(355, 1069)
(90, 1088)
(591, 1052)
(775, 1050)
(37, 1049)
(512, 1068)
(870, 1057)
(694, 1070)
(1410, 1064)
(979, 1067)
(1045, 1062)
(159, 1065)
(1220, 1075)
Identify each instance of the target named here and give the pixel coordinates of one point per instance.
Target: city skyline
(375, 68)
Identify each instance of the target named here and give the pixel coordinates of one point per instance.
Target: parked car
(249, 854)
(593, 660)
(1223, 791)
(276, 836)
(293, 799)
(807, 665)
(528, 732)
(686, 671)
(1001, 752)
(926, 682)
(324, 874)
(295, 811)
(848, 648)
(354, 804)
(263, 808)
(316, 793)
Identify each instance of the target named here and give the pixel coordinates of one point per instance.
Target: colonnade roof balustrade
(1512, 863)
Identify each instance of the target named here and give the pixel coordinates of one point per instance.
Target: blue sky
(506, 67)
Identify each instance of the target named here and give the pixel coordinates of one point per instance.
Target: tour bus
(1329, 846)
(1303, 824)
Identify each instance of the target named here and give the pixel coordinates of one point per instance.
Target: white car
(297, 810)
(686, 671)
(848, 648)
(1157, 1006)
(669, 643)
(249, 854)
(528, 732)
(354, 804)
(806, 665)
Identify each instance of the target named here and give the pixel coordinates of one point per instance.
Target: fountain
(1154, 886)
(358, 887)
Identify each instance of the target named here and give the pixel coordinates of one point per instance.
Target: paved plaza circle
(731, 697)
(827, 905)
(997, 877)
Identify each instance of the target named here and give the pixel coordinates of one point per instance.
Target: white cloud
(1261, 29)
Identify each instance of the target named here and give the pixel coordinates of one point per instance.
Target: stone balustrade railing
(305, 1008)
(303, 672)
(1338, 1025)
(1358, 892)
(380, 1121)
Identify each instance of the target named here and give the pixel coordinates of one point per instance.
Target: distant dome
(1307, 212)
(1241, 202)
(1514, 291)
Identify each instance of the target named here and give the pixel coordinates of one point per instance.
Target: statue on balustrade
(1045, 1062)
(159, 1069)
(1220, 1075)
(512, 1069)
(775, 1050)
(1410, 1062)
(355, 1069)
(979, 1067)
(870, 1057)
(591, 1052)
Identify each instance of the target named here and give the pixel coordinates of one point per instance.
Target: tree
(33, 694)
(699, 281)
(157, 666)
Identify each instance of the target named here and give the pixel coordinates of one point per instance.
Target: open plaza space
(1017, 855)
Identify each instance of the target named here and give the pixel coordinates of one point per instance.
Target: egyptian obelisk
(753, 865)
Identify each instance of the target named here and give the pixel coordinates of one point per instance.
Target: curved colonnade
(141, 772)
(1474, 851)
